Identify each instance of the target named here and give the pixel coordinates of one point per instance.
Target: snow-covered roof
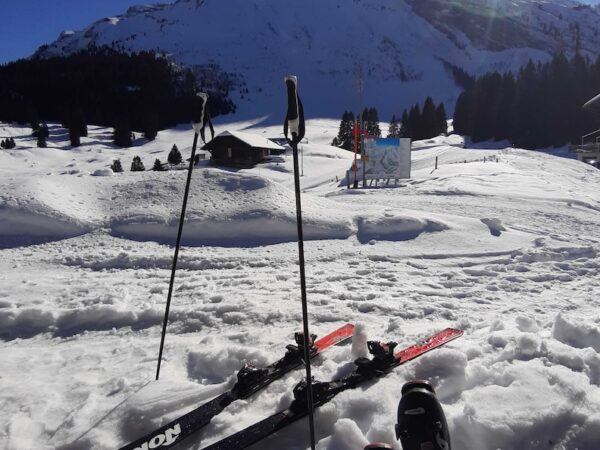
(253, 140)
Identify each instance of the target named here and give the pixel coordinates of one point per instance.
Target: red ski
(383, 361)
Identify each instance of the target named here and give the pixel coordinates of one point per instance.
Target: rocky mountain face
(346, 53)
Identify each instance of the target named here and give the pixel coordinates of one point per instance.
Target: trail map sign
(387, 158)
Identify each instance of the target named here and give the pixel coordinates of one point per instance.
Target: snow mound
(346, 436)
(495, 226)
(216, 364)
(224, 209)
(576, 333)
(397, 228)
(40, 209)
(20, 227)
(28, 322)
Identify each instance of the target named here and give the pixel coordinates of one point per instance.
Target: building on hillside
(241, 149)
(589, 149)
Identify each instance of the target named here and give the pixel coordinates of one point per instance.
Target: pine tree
(415, 126)
(394, 129)
(345, 137)
(174, 157)
(461, 114)
(370, 119)
(122, 134)
(504, 120)
(44, 131)
(157, 167)
(429, 119)
(3, 143)
(41, 141)
(151, 126)
(34, 121)
(77, 121)
(74, 137)
(116, 166)
(442, 119)
(12, 143)
(137, 165)
(404, 130)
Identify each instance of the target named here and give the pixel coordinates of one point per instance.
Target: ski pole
(294, 123)
(200, 119)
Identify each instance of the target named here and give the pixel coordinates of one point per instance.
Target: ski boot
(421, 420)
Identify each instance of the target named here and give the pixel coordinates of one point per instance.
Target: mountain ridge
(403, 51)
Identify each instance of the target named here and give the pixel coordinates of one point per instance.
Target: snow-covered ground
(500, 242)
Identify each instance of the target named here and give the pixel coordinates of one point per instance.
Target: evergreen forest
(139, 91)
(540, 107)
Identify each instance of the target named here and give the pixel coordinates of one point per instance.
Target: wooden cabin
(240, 149)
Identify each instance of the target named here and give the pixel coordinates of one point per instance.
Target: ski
(250, 379)
(384, 359)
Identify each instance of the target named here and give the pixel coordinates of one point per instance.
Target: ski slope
(499, 242)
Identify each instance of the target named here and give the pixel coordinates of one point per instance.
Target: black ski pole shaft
(176, 255)
(309, 393)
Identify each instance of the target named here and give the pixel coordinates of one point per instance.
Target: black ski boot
(421, 420)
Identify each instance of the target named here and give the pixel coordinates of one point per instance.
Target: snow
(498, 241)
(252, 140)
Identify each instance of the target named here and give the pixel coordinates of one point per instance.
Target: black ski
(383, 361)
(250, 379)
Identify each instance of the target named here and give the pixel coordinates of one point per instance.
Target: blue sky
(27, 24)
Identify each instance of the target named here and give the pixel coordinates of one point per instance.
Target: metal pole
(311, 419)
(177, 245)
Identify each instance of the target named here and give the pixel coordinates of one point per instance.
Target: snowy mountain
(402, 50)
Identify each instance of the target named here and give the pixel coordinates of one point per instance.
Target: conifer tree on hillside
(394, 129)
(44, 130)
(122, 135)
(442, 119)
(77, 121)
(151, 126)
(414, 123)
(370, 119)
(34, 121)
(41, 141)
(430, 124)
(137, 165)
(461, 114)
(3, 143)
(157, 167)
(174, 157)
(345, 138)
(504, 111)
(116, 166)
(74, 137)
(404, 130)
